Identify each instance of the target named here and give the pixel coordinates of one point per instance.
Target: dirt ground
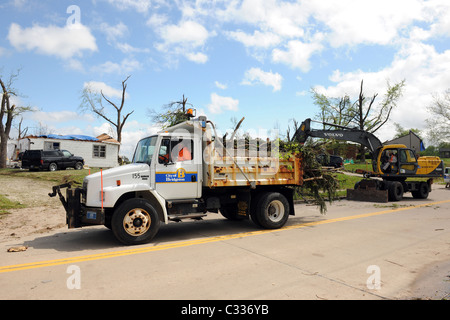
(41, 213)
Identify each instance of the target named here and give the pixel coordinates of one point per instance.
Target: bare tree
(439, 124)
(369, 117)
(8, 112)
(21, 132)
(93, 102)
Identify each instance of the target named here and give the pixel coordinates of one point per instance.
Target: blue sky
(256, 59)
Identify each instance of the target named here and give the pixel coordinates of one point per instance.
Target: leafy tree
(363, 113)
(400, 131)
(172, 114)
(439, 123)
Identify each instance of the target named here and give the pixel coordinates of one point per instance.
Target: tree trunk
(3, 150)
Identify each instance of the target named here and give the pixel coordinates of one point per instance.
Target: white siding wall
(78, 148)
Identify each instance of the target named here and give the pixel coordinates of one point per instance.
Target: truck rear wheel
(135, 222)
(423, 191)
(272, 210)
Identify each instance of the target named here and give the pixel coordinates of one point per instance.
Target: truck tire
(78, 165)
(272, 210)
(395, 191)
(423, 191)
(52, 167)
(135, 221)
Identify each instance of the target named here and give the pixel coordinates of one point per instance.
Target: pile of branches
(319, 186)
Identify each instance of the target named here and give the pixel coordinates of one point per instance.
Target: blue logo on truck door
(179, 176)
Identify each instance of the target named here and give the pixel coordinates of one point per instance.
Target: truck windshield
(144, 150)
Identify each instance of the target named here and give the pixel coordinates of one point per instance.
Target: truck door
(178, 168)
(66, 159)
(407, 162)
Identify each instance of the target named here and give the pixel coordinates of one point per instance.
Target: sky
(257, 59)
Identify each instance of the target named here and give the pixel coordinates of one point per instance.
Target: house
(444, 152)
(410, 140)
(100, 152)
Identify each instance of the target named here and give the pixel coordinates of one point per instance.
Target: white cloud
(219, 104)
(75, 65)
(58, 116)
(352, 22)
(185, 38)
(126, 66)
(108, 91)
(127, 48)
(197, 57)
(220, 85)
(141, 6)
(297, 54)
(257, 39)
(255, 76)
(114, 32)
(65, 42)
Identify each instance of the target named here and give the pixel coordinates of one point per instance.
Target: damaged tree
(8, 112)
(92, 101)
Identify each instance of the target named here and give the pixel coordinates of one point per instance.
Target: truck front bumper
(77, 214)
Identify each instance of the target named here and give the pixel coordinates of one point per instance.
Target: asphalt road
(357, 250)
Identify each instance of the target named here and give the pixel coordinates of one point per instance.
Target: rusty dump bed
(252, 171)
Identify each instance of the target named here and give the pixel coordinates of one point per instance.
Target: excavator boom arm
(367, 139)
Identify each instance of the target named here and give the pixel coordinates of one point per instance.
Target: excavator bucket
(367, 190)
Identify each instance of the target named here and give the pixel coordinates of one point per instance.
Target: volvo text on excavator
(392, 165)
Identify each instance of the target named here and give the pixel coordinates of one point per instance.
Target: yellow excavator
(392, 165)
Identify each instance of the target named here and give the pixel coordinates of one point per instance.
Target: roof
(77, 137)
(106, 138)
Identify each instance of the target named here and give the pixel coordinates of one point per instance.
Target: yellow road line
(131, 251)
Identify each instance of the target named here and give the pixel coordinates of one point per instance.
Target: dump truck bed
(227, 171)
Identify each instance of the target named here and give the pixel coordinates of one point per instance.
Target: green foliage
(319, 186)
(6, 204)
(172, 114)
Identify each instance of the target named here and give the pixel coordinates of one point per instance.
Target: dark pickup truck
(50, 160)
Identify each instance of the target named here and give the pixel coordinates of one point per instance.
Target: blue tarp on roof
(69, 137)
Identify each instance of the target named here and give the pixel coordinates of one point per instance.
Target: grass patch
(58, 177)
(6, 205)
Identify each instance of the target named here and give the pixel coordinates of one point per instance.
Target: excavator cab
(396, 160)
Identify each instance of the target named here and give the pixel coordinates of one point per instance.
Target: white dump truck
(184, 172)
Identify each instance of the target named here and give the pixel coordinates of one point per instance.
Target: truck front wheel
(135, 222)
(272, 210)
